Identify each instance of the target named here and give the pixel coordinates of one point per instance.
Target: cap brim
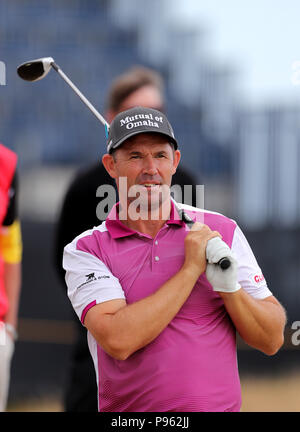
(119, 143)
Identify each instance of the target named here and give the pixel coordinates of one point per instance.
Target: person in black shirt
(139, 86)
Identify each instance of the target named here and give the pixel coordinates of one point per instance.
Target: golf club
(224, 263)
(35, 70)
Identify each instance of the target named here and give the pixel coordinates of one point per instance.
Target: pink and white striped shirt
(192, 364)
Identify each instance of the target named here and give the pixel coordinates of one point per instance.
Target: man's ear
(109, 164)
(176, 160)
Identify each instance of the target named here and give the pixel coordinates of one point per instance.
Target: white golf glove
(221, 280)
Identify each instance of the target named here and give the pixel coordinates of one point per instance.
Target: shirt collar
(118, 229)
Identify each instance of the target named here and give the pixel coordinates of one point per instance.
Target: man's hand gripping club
(215, 249)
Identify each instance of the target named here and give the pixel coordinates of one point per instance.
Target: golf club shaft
(224, 263)
(78, 92)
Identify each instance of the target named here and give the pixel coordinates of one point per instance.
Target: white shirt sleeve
(250, 275)
(88, 279)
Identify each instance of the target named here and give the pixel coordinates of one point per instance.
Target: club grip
(224, 263)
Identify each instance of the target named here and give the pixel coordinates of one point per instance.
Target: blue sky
(260, 37)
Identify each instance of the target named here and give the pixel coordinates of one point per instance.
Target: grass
(280, 394)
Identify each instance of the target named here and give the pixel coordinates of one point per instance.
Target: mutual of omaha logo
(139, 120)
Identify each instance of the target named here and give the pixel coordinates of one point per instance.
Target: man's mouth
(151, 186)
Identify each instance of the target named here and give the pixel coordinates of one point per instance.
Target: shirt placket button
(156, 258)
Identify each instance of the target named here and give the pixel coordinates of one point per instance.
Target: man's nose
(149, 166)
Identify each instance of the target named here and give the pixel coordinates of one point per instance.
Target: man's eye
(135, 157)
(161, 155)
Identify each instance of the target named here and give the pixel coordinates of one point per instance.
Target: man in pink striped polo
(161, 313)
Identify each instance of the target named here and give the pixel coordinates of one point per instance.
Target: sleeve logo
(91, 278)
(259, 278)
